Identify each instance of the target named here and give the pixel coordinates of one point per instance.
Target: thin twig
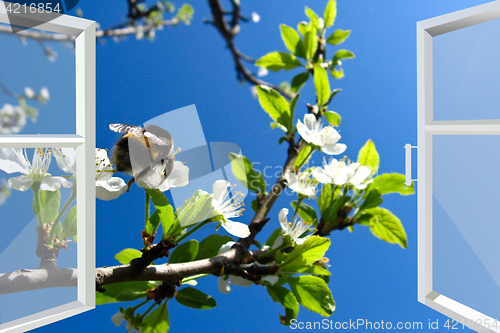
(228, 32)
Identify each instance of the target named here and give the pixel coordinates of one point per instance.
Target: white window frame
(426, 129)
(84, 141)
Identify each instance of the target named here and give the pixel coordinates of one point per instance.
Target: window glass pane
(466, 73)
(29, 71)
(465, 217)
(18, 238)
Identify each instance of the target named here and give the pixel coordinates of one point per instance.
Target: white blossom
(12, 119)
(29, 92)
(13, 160)
(107, 187)
(229, 208)
(44, 92)
(325, 138)
(294, 229)
(157, 179)
(255, 17)
(339, 173)
(262, 72)
(301, 183)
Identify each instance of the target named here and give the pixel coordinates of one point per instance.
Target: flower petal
(13, 160)
(65, 158)
(333, 149)
(103, 168)
(54, 183)
(271, 279)
(110, 189)
(237, 229)
(223, 285)
(283, 216)
(239, 281)
(303, 131)
(310, 121)
(320, 175)
(301, 241)
(118, 318)
(361, 175)
(178, 178)
(21, 183)
(219, 191)
(226, 247)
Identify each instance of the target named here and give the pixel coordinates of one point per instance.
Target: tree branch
(100, 34)
(31, 279)
(228, 32)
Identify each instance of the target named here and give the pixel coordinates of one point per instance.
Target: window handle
(408, 179)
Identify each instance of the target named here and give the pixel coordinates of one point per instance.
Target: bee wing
(122, 128)
(156, 139)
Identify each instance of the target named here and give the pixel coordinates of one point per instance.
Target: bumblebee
(142, 149)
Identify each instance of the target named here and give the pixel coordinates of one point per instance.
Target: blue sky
(139, 80)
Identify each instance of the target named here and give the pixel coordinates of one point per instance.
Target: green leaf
(329, 203)
(302, 27)
(326, 198)
(69, 224)
(167, 219)
(152, 223)
(49, 205)
(339, 36)
(272, 239)
(158, 198)
(292, 105)
(195, 209)
(113, 290)
(311, 250)
(306, 212)
(244, 171)
(286, 298)
(304, 156)
(373, 199)
(341, 54)
(275, 105)
(330, 13)
(194, 298)
(311, 269)
(127, 255)
(392, 183)
(368, 156)
(313, 293)
(275, 124)
(334, 92)
(130, 295)
(310, 43)
(363, 218)
(386, 226)
(333, 118)
(313, 17)
(157, 321)
(338, 74)
(209, 247)
(292, 41)
(184, 252)
(321, 84)
(299, 80)
(276, 61)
